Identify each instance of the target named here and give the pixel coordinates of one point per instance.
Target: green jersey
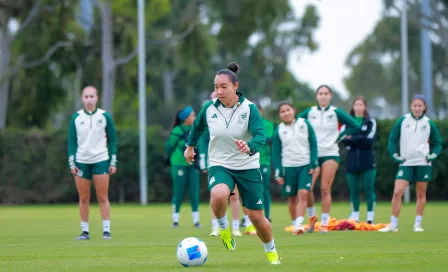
(265, 152)
(175, 146)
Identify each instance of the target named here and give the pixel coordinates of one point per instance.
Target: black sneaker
(370, 222)
(242, 223)
(175, 225)
(106, 235)
(84, 236)
(197, 225)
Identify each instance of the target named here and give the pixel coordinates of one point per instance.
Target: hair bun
(234, 67)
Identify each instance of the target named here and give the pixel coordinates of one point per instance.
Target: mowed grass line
(41, 238)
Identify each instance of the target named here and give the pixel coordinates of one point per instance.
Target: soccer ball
(192, 252)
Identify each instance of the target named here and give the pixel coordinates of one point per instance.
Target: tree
(375, 65)
(25, 13)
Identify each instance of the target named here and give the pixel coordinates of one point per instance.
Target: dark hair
(283, 104)
(352, 111)
(322, 86)
(176, 122)
(231, 71)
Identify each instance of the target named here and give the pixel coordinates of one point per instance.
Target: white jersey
(92, 137)
(243, 121)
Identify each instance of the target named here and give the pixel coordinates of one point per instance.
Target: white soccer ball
(192, 252)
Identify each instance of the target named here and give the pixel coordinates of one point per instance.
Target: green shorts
(296, 178)
(86, 171)
(249, 182)
(323, 159)
(414, 173)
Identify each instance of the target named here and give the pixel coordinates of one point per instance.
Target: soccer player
(236, 136)
(325, 120)
(414, 143)
(360, 163)
(182, 173)
(294, 149)
(234, 198)
(265, 168)
(92, 154)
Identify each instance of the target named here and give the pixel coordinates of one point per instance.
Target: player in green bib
(182, 173)
(265, 169)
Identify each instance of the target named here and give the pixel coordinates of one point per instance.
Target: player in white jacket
(92, 154)
(294, 150)
(414, 143)
(326, 120)
(236, 136)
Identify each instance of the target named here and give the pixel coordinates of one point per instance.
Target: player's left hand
(112, 170)
(242, 145)
(311, 172)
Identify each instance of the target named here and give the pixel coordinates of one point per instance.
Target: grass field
(41, 238)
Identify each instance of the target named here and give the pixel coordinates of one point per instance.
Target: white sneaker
(236, 232)
(215, 232)
(389, 228)
(418, 229)
(298, 230)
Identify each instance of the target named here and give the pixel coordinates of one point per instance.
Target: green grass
(41, 238)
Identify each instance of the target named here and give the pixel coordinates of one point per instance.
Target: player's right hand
(74, 171)
(280, 180)
(189, 154)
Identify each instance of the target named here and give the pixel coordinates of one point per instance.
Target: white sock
(235, 224)
(247, 222)
(269, 247)
(418, 220)
(299, 221)
(106, 225)
(355, 216)
(215, 224)
(176, 217)
(223, 224)
(324, 219)
(195, 217)
(370, 216)
(85, 226)
(393, 221)
(311, 211)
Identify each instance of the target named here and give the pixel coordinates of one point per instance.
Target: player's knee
(84, 199)
(398, 194)
(103, 199)
(325, 190)
(421, 195)
(256, 216)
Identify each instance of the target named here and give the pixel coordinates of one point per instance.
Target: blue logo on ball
(193, 253)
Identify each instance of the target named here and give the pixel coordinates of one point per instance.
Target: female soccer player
(360, 164)
(92, 154)
(236, 135)
(234, 198)
(325, 120)
(414, 143)
(294, 152)
(182, 173)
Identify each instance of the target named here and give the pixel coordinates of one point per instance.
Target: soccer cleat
(312, 224)
(215, 232)
(84, 236)
(389, 228)
(175, 225)
(323, 229)
(227, 239)
(298, 230)
(236, 233)
(106, 235)
(273, 257)
(418, 228)
(370, 222)
(250, 230)
(197, 225)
